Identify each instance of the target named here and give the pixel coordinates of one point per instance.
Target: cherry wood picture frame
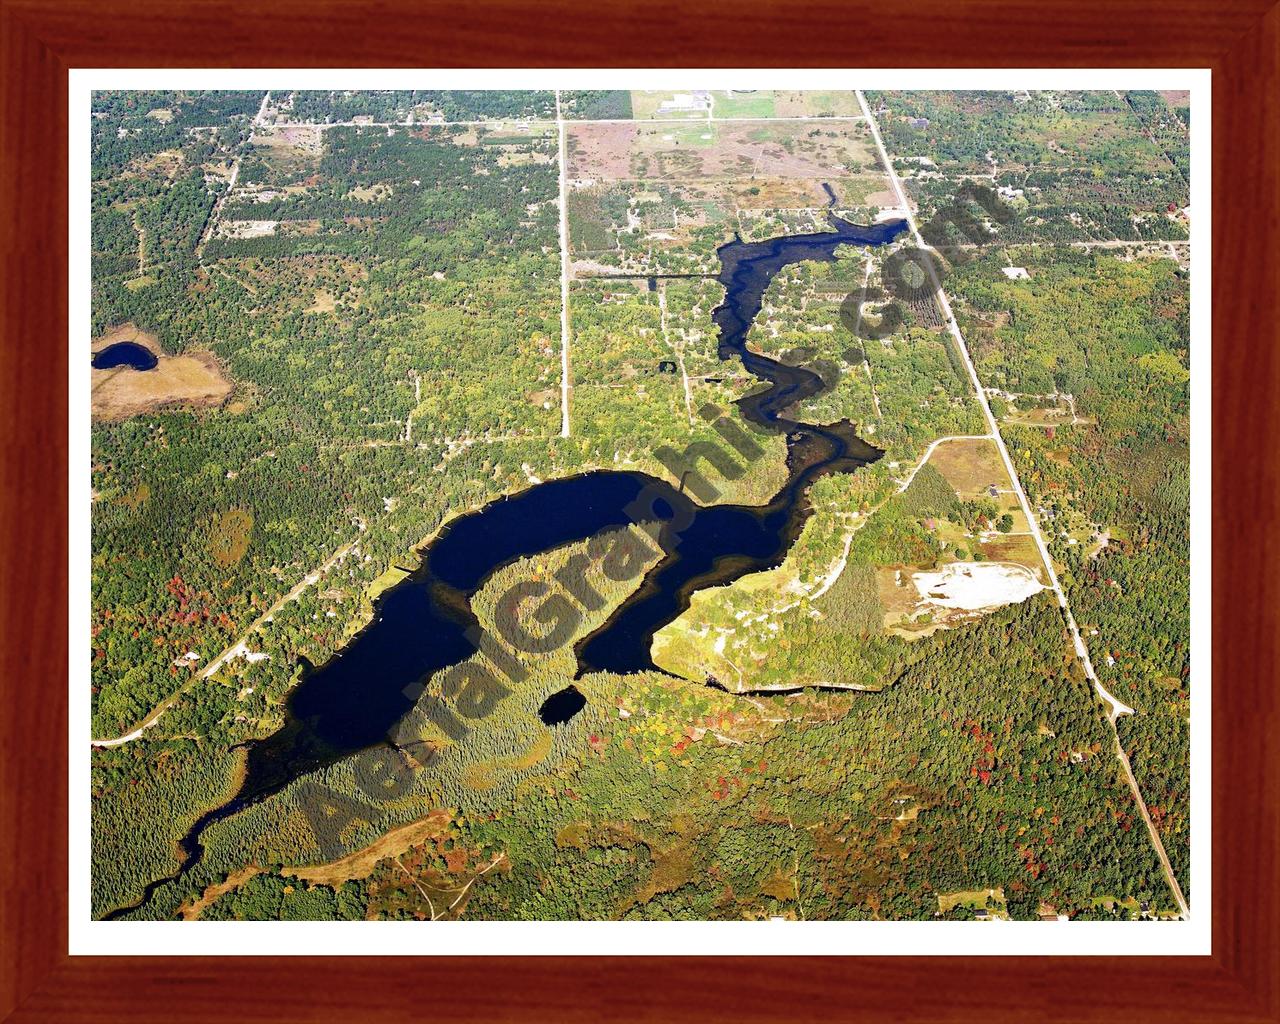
(41, 39)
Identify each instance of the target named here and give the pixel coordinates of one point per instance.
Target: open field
(281, 156)
(1013, 548)
(661, 197)
(193, 380)
(739, 103)
(972, 467)
(796, 103)
(719, 150)
(990, 900)
(361, 863)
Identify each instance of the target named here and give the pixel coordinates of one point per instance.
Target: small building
(1015, 273)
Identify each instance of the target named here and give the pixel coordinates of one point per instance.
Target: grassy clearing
(798, 103)
(757, 103)
(972, 467)
(386, 581)
(361, 863)
(1019, 549)
(193, 380)
(229, 538)
(990, 900)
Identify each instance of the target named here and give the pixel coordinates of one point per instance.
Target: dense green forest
(985, 764)
(418, 104)
(1113, 492)
(597, 104)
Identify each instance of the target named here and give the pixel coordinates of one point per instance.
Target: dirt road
(238, 648)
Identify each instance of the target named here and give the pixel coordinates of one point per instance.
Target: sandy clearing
(246, 228)
(976, 586)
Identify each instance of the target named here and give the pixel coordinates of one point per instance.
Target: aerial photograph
(601, 505)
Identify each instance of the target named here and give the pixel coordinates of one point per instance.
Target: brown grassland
(704, 150)
(229, 538)
(194, 380)
(970, 466)
(361, 863)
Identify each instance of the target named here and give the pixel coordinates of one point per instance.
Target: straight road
(216, 212)
(1116, 707)
(564, 275)
(231, 651)
(408, 123)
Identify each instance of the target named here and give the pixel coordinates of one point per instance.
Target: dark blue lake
(125, 353)
(425, 623)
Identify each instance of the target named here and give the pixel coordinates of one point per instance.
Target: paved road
(1116, 707)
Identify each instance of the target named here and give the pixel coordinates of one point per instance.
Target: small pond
(125, 353)
(562, 706)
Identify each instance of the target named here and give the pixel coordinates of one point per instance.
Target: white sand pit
(976, 586)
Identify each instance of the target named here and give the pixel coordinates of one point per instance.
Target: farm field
(660, 196)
